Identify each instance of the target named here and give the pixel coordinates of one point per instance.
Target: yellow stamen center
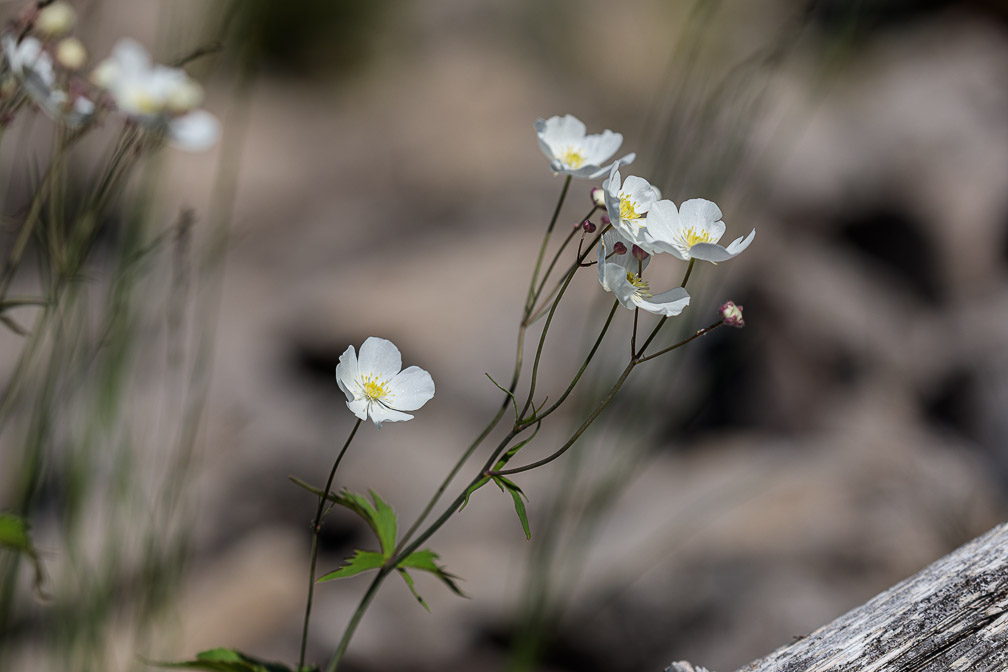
(373, 389)
(640, 284)
(627, 208)
(572, 157)
(692, 237)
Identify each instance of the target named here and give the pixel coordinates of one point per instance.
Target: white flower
(375, 386)
(691, 232)
(156, 96)
(627, 204)
(56, 19)
(621, 275)
(32, 66)
(572, 152)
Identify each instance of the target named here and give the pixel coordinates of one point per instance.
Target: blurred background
(379, 175)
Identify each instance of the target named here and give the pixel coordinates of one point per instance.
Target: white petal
(598, 148)
(710, 252)
(702, 215)
(639, 190)
(346, 372)
(359, 407)
(379, 357)
(663, 232)
(602, 170)
(617, 283)
(195, 131)
(380, 414)
(561, 131)
(410, 389)
(738, 244)
(131, 57)
(668, 303)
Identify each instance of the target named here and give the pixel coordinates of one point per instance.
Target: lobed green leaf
(426, 560)
(473, 488)
(409, 582)
(362, 561)
(228, 660)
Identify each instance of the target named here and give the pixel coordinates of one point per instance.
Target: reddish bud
(732, 314)
(619, 248)
(605, 220)
(588, 226)
(639, 254)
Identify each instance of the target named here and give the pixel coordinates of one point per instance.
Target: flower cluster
(643, 224)
(45, 64)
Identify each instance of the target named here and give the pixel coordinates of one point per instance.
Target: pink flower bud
(588, 226)
(598, 197)
(639, 254)
(732, 314)
(605, 220)
(619, 247)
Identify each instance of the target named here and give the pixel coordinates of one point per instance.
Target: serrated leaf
(15, 535)
(473, 488)
(426, 560)
(311, 488)
(227, 660)
(379, 516)
(362, 561)
(520, 510)
(409, 582)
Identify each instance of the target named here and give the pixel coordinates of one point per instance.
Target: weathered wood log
(952, 615)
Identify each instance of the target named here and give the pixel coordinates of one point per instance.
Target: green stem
(556, 257)
(705, 330)
(584, 365)
(316, 526)
(542, 248)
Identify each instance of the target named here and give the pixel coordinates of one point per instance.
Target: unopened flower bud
(605, 220)
(598, 197)
(71, 54)
(56, 19)
(732, 314)
(619, 247)
(639, 254)
(588, 226)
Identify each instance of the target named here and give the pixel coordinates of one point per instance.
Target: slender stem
(591, 354)
(316, 526)
(556, 257)
(705, 330)
(580, 430)
(542, 248)
(356, 618)
(689, 269)
(542, 337)
(661, 322)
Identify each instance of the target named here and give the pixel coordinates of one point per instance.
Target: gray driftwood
(950, 616)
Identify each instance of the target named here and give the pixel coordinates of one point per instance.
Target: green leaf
(14, 534)
(516, 495)
(362, 561)
(409, 582)
(379, 516)
(310, 488)
(227, 660)
(426, 561)
(513, 450)
(520, 510)
(473, 488)
(510, 394)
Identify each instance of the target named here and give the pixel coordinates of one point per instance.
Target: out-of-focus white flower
(377, 386)
(620, 273)
(156, 96)
(32, 66)
(691, 231)
(55, 19)
(571, 152)
(71, 54)
(627, 204)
